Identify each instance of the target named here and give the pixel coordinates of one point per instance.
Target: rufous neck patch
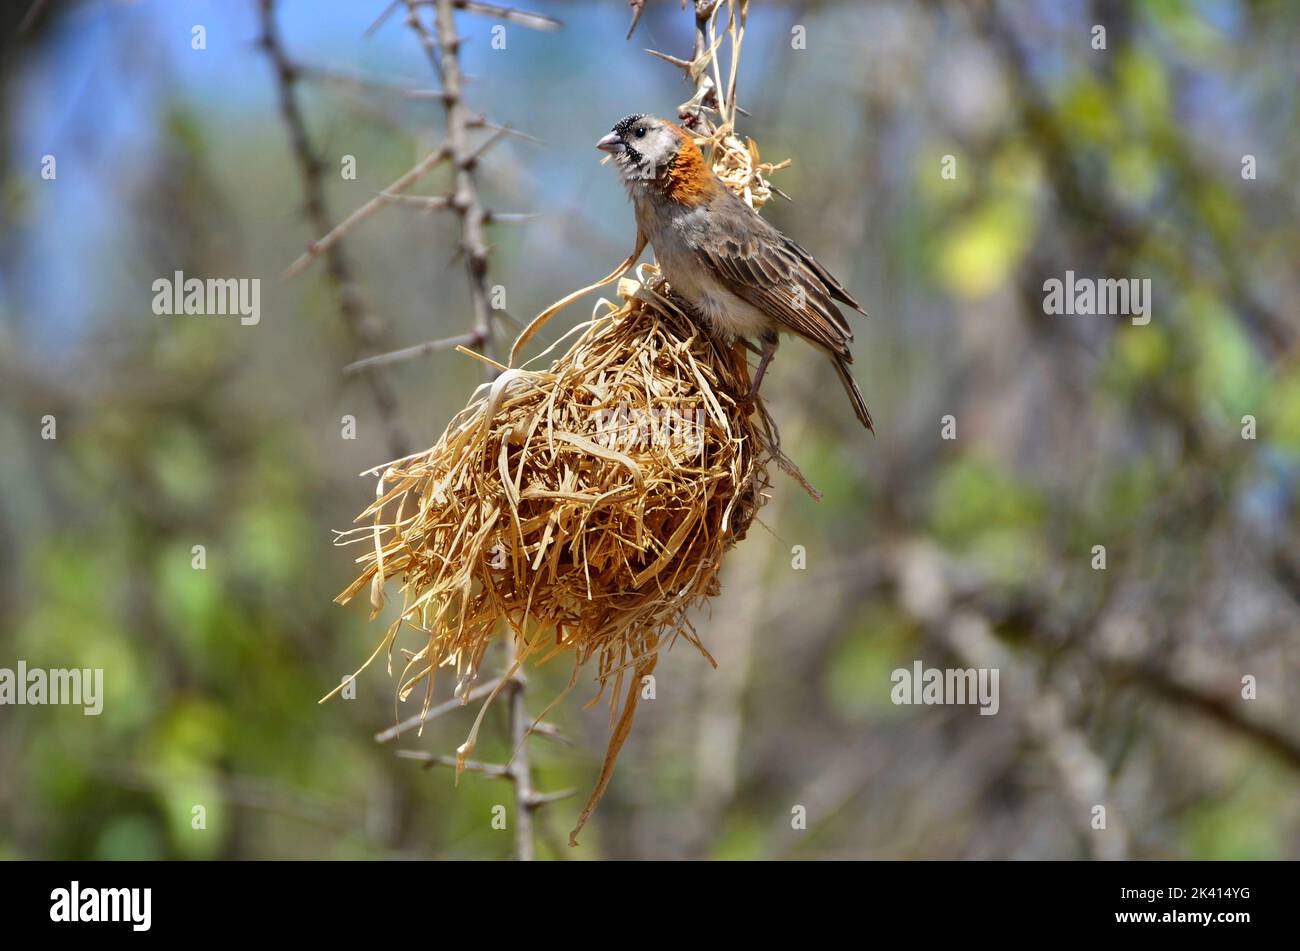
(688, 178)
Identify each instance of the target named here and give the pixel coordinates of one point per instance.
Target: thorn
(422, 202)
(679, 63)
(507, 216)
(482, 122)
(537, 800)
(550, 730)
(534, 21)
(638, 8)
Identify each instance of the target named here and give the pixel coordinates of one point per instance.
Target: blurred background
(1169, 155)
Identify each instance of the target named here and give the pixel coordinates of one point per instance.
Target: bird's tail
(855, 394)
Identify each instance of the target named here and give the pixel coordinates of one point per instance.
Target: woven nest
(586, 508)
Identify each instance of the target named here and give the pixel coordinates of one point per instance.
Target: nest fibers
(586, 506)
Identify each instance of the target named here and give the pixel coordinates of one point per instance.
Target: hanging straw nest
(585, 507)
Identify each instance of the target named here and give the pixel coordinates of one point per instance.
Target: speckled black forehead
(624, 126)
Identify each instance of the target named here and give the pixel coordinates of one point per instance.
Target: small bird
(739, 274)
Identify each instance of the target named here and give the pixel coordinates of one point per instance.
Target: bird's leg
(770, 340)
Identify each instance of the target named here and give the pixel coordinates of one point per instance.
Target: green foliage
(879, 643)
(1227, 369)
(979, 508)
(1244, 825)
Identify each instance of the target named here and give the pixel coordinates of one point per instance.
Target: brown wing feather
(836, 288)
(763, 267)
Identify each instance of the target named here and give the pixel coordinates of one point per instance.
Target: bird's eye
(640, 132)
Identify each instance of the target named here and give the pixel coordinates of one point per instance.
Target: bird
(740, 275)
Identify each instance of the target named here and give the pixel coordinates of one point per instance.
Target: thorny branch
(365, 329)
(444, 55)
(442, 46)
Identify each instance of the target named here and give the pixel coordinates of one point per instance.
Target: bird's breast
(675, 233)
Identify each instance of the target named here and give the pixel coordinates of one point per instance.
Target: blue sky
(94, 95)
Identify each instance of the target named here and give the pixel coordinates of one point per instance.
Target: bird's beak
(612, 144)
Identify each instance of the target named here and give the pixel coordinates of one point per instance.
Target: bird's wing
(836, 289)
(764, 268)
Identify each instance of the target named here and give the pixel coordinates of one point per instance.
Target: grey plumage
(739, 273)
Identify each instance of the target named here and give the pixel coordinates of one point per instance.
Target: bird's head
(649, 150)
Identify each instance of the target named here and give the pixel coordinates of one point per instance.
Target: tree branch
(443, 55)
(366, 332)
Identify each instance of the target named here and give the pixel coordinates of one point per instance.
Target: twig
(366, 333)
(331, 236)
(410, 353)
(470, 161)
(384, 15)
(534, 21)
(431, 760)
(349, 77)
(442, 709)
(481, 122)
